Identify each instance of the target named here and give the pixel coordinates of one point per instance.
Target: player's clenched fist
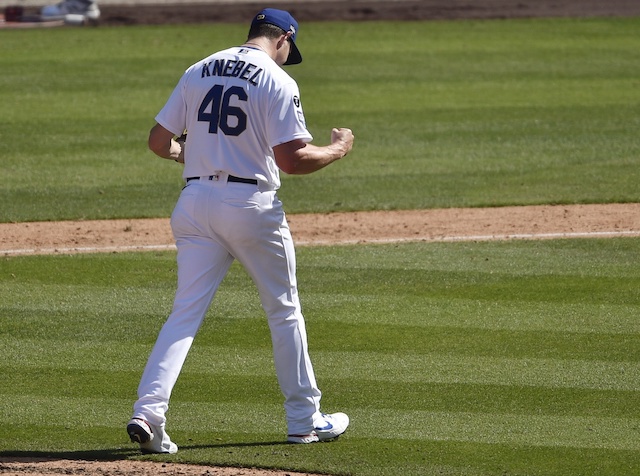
(343, 138)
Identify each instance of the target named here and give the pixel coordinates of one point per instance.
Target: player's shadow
(115, 454)
(236, 445)
(111, 454)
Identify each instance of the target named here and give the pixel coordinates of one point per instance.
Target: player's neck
(256, 45)
(270, 47)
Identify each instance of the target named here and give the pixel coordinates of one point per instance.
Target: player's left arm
(298, 157)
(163, 143)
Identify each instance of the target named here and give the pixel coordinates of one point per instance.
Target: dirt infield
(456, 224)
(449, 225)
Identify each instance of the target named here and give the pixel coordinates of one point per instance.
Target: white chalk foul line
(87, 249)
(444, 238)
(449, 238)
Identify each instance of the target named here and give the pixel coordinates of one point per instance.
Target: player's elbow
(159, 141)
(289, 157)
(155, 144)
(289, 166)
(152, 146)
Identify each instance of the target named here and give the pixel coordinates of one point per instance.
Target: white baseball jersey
(236, 105)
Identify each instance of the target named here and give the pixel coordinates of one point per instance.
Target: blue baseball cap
(282, 19)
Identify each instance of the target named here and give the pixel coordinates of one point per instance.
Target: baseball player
(245, 121)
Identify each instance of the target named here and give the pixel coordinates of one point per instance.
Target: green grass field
(483, 358)
(462, 359)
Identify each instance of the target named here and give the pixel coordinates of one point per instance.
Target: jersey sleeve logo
(296, 101)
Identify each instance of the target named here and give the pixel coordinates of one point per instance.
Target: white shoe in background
(67, 8)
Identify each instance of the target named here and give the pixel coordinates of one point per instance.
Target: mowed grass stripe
(378, 396)
(438, 368)
(427, 311)
(530, 430)
(479, 342)
(54, 354)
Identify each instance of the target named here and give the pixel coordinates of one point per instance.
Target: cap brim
(294, 55)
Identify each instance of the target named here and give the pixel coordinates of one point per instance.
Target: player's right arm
(298, 157)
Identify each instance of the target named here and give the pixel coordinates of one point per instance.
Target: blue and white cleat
(334, 425)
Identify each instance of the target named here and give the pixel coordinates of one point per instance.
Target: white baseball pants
(213, 223)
